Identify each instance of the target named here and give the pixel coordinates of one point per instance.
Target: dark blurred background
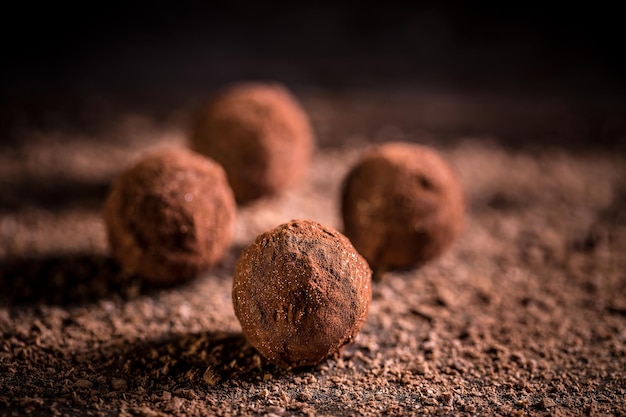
(164, 55)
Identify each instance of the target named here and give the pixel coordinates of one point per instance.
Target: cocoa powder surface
(524, 315)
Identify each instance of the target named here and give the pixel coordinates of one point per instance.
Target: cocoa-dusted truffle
(301, 292)
(401, 205)
(260, 135)
(170, 216)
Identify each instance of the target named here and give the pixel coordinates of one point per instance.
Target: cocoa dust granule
(170, 216)
(301, 292)
(260, 135)
(401, 205)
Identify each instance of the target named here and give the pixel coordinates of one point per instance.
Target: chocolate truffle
(170, 216)
(260, 135)
(301, 292)
(402, 206)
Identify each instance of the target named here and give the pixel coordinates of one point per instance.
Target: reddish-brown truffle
(402, 206)
(301, 292)
(260, 135)
(170, 216)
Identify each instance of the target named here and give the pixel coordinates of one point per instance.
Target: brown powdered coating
(402, 205)
(260, 135)
(301, 292)
(170, 216)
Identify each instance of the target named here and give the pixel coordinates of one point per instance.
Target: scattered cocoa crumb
(547, 403)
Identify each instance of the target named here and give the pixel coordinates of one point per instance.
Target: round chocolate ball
(301, 292)
(260, 135)
(170, 216)
(402, 206)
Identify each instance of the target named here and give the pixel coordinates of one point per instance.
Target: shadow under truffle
(63, 280)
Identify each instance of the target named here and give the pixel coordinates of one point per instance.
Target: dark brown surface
(526, 314)
(402, 205)
(170, 216)
(259, 134)
(301, 292)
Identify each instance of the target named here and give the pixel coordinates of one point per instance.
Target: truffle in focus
(260, 135)
(301, 292)
(402, 206)
(170, 216)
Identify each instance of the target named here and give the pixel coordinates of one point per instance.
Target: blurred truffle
(301, 292)
(170, 216)
(260, 135)
(402, 206)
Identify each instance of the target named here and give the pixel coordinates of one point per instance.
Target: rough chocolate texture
(170, 216)
(261, 136)
(402, 205)
(301, 292)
